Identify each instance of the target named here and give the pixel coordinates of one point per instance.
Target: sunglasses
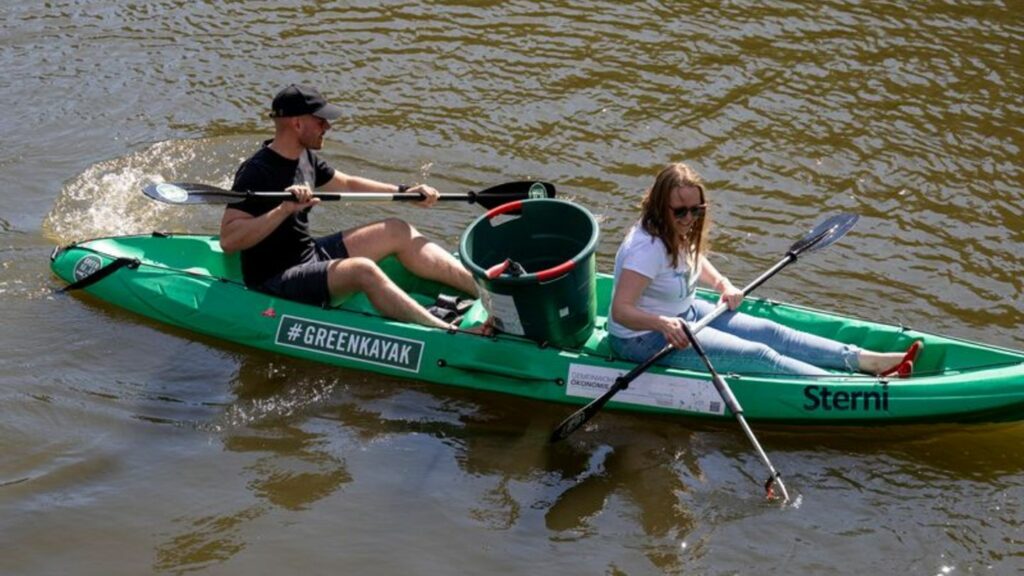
(697, 211)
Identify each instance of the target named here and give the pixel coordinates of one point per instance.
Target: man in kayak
(657, 268)
(279, 256)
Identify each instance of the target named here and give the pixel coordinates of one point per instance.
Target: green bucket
(554, 298)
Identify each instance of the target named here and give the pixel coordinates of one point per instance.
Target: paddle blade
(580, 417)
(571, 424)
(825, 234)
(511, 191)
(190, 193)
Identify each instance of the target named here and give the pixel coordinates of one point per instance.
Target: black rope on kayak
(101, 273)
(612, 357)
(443, 363)
(962, 369)
(153, 265)
(844, 376)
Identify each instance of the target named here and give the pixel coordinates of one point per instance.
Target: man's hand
(429, 193)
(303, 198)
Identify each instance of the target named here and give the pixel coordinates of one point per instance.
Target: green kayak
(187, 281)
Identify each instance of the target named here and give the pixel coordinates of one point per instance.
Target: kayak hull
(186, 281)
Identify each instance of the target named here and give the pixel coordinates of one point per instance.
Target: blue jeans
(740, 343)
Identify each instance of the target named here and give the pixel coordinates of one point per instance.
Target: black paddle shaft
(737, 411)
(193, 193)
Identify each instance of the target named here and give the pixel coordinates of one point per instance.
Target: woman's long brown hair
(657, 219)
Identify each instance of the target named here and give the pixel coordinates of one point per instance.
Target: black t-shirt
(290, 244)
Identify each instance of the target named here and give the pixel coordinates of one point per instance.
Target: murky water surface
(130, 447)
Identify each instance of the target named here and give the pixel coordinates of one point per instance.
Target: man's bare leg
(360, 274)
(419, 255)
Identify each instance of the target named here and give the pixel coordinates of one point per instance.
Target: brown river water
(127, 447)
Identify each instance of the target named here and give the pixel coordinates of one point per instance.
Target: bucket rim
(534, 277)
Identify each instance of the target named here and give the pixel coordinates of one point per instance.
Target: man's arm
(240, 230)
(342, 182)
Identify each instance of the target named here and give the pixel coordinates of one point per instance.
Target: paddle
(191, 193)
(823, 235)
(734, 405)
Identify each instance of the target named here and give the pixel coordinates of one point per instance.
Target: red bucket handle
(542, 276)
(515, 206)
(497, 270)
(555, 271)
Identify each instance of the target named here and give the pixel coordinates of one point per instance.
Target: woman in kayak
(657, 268)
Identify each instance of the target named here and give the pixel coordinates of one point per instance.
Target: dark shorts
(307, 282)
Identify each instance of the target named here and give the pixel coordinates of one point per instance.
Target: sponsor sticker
(537, 190)
(350, 343)
(503, 311)
(825, 398)
(683, 394)
(171, 192)
(86, 266)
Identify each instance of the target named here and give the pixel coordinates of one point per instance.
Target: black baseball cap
(299, 100)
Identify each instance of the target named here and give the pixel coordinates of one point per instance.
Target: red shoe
(905, 369)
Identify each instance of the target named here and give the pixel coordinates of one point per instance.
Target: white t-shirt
(671, 290)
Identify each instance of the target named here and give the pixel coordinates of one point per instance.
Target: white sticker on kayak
(685, 394)
(502, 308)
(350, 343)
